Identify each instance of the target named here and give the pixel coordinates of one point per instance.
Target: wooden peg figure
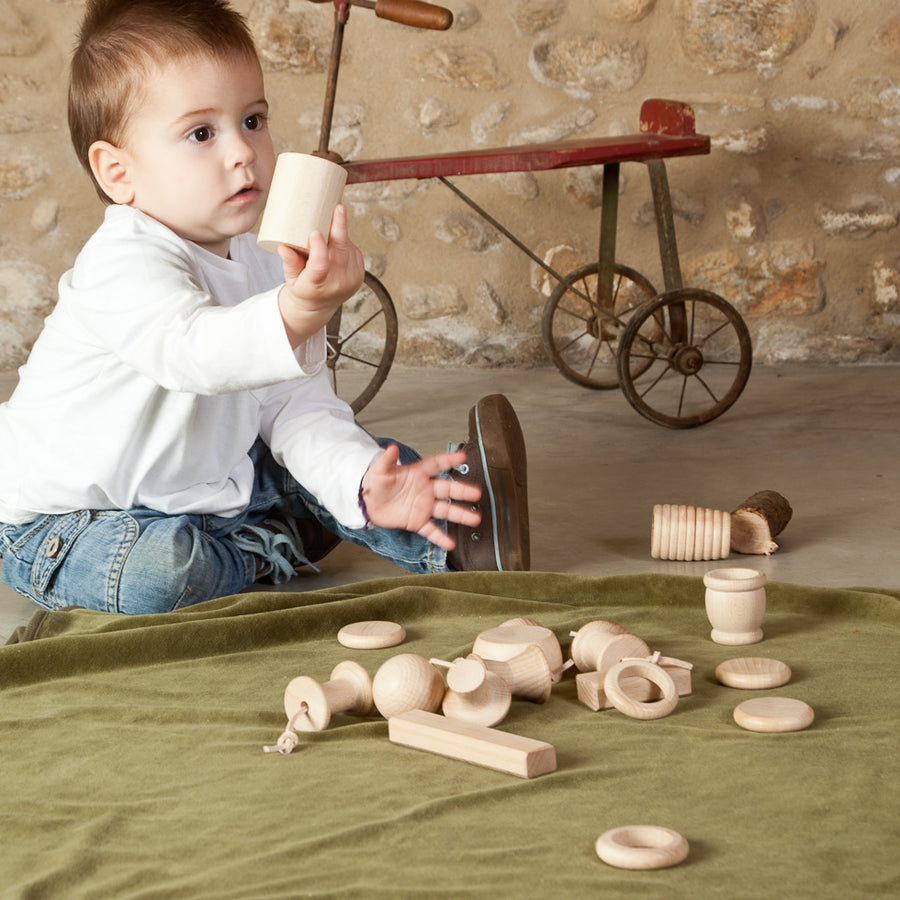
(474, 694)
(310, 705)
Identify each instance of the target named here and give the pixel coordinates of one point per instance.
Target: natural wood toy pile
(450, 707)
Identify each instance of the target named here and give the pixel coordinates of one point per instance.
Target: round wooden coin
(371, 635)
(774, 715)
(753, 673)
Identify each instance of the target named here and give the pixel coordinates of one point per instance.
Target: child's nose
(242, 152)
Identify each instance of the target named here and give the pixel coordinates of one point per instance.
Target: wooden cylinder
(305, 190)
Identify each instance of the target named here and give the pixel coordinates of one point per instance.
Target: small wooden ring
(642, 847)
(637, 709)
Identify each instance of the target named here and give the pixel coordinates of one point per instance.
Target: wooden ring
(637, 709)
(642, 847)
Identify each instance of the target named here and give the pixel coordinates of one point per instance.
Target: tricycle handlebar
(415, 13)
(407, 12)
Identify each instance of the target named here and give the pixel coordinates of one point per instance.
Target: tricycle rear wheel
(581, 331)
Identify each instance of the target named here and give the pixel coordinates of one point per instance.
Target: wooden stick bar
(472, 743)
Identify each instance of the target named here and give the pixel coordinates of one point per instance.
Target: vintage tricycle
(681, 356)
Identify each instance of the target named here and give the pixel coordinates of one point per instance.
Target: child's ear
(110, 165)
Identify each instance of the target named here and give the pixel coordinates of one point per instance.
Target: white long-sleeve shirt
(154, 375)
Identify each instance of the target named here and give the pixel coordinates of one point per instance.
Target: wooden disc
(774, 714)
(371, 635)
(753, 673)
(642, 847)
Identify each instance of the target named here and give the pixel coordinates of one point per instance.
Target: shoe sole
(502, 447)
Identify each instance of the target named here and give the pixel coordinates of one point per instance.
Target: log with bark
(757, 521)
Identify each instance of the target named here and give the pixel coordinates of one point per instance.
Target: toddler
(173, 436)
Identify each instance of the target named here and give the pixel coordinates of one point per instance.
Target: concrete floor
(827, 438)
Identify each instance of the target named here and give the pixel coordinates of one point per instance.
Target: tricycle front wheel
(684, 358)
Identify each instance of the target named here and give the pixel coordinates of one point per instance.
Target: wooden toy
(407, 681)
(474, 694)
(642, 847)
(774, 714)
(689, 532)
(590, 684)
(310, 705)
(371, 635)
(528, 674)
(304, 192)
(506, 641)
(599, 645)
(472, 743)
(735, 605)
(638, 709)
(757, 520)
(751, 673)
(519, 620)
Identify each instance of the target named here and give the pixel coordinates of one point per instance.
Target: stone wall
(793, 217)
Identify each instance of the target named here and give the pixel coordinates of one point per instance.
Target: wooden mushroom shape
(528, 673)
(473, 693)
(407, 681)
(508, 640)
(310, 705)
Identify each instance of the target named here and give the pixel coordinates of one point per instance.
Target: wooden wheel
(581, 330)
(362, 340)
(684, 358)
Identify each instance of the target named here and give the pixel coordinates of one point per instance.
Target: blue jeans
(142, 561)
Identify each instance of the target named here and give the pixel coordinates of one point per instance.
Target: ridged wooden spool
(689, 533)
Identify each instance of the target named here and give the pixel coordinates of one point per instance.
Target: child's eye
(201, 134)
(255, 122)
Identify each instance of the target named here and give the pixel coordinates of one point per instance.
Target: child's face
(199, 152)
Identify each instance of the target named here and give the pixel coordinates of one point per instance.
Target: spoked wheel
(362, 340)
(582, 332)
(692, 352)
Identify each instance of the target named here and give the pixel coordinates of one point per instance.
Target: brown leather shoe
(496, 462)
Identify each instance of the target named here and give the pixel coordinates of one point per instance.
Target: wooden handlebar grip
(415, 13)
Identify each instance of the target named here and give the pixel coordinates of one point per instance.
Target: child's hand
(410, 496)
(316, 285)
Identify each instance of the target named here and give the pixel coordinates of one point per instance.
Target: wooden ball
(407, 681)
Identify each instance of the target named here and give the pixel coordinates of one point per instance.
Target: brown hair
(119, 43)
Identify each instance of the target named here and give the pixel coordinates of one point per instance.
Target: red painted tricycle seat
(667, 130)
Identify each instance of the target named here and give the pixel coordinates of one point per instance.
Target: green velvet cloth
(133, 763)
